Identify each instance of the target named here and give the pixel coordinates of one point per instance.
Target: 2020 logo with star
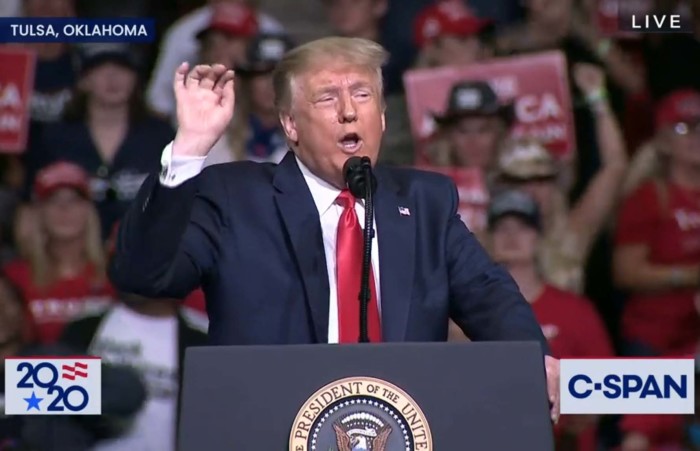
(360, 414)
(53, 386)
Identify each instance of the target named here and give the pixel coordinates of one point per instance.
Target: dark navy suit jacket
(249, 234)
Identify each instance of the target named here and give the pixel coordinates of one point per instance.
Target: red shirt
(667, 221)
(51, 307)
(664, 432)
(573, 329)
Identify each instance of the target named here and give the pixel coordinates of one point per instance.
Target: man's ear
(383, 121)
(289, 126)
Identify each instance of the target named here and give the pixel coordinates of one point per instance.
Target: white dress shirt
(177, 170)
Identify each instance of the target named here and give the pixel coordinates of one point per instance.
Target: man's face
(513, 242)
(354, 17)
(336, 112)
(681, 142)
(453, 50)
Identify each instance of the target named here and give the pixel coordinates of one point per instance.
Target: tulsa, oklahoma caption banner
(536, 83)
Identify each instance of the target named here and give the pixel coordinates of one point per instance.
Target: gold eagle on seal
(361, 439)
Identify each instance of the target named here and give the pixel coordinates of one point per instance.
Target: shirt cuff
(177, 170)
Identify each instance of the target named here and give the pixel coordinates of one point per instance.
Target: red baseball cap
(447, 18)
(61, 175)
(236, 19)
(679, 106)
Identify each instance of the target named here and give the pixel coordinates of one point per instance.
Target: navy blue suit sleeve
(485, 301)
(168, 240)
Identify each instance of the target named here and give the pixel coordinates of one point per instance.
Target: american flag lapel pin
(404, 211)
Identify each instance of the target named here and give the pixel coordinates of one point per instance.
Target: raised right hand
(205, 104)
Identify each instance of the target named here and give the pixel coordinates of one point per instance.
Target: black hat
(94, 55)
(264, 52)
(474, 98)
(514, 203)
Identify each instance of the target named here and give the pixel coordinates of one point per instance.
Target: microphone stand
(365, 289)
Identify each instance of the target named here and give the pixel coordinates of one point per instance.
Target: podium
(375, 397)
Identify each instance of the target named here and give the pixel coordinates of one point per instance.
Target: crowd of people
(605, 246)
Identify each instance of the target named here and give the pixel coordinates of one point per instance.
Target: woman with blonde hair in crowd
(569, 232)
(657, 246)
(255, 133)
(62, 271)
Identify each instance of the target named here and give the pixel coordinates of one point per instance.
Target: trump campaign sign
(53, 386)
(16, 85)
(536, 84)
(627, 386)
(473, 193)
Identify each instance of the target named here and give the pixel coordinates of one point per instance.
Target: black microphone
(355, 174)
(361, 182)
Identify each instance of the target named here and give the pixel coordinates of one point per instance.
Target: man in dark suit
(277, 248)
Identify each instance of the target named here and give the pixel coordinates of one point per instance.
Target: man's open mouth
(350, 142)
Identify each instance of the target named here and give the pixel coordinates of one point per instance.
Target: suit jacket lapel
(396, 232)
(303, 226)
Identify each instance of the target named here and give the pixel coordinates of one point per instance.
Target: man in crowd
(180, 44)
(569, 322)
(265, 241)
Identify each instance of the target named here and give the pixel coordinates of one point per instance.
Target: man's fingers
(210, 78)
(196, 75)
(224, 78)
(228, 96)
(552, 367)
(180, 74)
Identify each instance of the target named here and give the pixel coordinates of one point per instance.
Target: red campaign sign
(16, 86)
(537, 84)
(473, 194)
(607, 12)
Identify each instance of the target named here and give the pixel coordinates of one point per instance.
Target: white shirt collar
(324, 193)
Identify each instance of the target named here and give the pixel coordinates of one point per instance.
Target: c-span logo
(53, 386)
(360, 414)
(627, 386)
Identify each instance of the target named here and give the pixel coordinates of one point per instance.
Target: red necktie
(349, 275)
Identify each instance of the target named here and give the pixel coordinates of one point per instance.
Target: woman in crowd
(108, 131)
(657, 246)
(472, 128)
(255, 133)
(62, 272)
(569, 232)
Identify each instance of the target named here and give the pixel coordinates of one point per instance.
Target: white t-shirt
(149, 344)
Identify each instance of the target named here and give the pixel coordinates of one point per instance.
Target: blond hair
(34, 246)
(357, 52)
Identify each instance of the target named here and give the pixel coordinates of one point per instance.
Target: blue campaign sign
(74, 30)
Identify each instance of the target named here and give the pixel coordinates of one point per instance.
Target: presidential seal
(360, 414)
